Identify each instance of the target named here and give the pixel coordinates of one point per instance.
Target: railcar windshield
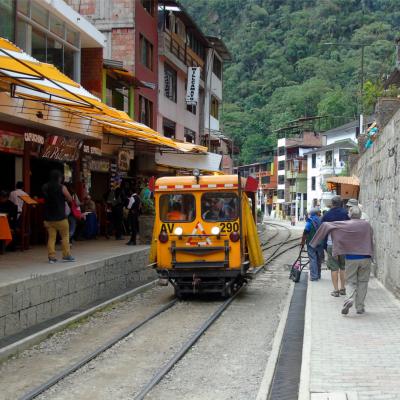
(177, 207)
(219, 206)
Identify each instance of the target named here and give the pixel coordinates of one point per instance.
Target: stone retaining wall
(40, 298)
(379, 172)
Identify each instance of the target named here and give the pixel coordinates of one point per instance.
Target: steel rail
(157, 378)
(86, 359)
(32, 394)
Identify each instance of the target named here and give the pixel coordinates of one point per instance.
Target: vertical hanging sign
(192, 93)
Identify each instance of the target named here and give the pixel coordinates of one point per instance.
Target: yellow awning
(32, 80)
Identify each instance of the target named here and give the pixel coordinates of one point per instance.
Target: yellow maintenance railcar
(205, 236)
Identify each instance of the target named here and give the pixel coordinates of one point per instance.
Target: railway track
(163, 371)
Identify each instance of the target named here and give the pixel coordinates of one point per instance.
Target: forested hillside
(282, 68)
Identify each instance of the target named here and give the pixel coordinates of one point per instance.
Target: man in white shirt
(15, 196)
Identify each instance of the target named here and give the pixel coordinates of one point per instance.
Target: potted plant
(146, 218)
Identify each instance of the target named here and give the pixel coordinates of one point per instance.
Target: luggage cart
(299, 264)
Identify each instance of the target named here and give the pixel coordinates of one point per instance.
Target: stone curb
(266, 382)
(304, 387)
(37, 337)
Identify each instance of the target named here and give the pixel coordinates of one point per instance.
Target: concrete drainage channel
(286, 380)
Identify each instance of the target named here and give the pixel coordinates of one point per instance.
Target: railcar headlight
(215, 230)
(178, 231)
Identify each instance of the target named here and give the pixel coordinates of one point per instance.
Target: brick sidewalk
(354, 356)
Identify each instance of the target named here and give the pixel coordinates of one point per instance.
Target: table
(5, 231)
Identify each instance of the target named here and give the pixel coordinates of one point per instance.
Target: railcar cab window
(177, 207)
(219, 206)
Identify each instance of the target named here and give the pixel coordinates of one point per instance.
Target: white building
(327, 161)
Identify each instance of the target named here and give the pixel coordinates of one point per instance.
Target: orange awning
(344, 180)
(32, 80)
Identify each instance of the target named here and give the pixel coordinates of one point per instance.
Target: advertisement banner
(11, 142)
(61, 148)
(192, 93)
(124, 158)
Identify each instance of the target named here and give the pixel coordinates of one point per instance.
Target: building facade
(292, 174)
(130, 54)
(265, 172)
(330, 160)
(54, 33)
(327, 161)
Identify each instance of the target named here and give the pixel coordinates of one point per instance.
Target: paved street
(355, 355)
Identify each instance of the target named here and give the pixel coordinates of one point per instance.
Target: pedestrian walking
(358, 266)
(133, 207)
(312, 224)
(354, 203)
(352, 239)
(336, 264)
(55, 220)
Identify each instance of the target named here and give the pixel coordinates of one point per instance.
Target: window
(313, 182)
(146, 52)
(170, 83)
(7, 20)
(281, 179)
(219, 207)
(169, 128)
(148, 5)
(281, 165)
(265, 180)
(214, 107)
(39, 15)
(190, 136)
(177, 207)
(217, 67)
(328, 157)
(281, 194)
(281, 151)
(39, 45)
(343, 155)
(36, 28)
(313, 160)
(192, 108)
(145, 111)
(195, 45)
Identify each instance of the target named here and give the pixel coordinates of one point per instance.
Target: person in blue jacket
(312, 224)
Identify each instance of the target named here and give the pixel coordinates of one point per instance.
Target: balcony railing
(295, 174)
(178, 48)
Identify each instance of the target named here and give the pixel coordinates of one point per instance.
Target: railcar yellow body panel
(203, 227)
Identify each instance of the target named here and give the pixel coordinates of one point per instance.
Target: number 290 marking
(229, 227)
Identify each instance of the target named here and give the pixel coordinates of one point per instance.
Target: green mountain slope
(282, 69)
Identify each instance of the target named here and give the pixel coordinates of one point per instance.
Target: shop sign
(124, 158)
(34, 138)
(61, 148)
(99, 165)
(91, 150)
(11, 142)
(192, 93)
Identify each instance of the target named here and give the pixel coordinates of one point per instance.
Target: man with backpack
(312, 224)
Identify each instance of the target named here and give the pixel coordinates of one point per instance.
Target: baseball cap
(352, 203)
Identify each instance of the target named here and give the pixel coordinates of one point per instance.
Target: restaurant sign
(34, 138)
(61, 148)
(99, 165)
(92, 150)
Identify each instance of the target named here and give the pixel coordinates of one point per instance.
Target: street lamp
(361, 106)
